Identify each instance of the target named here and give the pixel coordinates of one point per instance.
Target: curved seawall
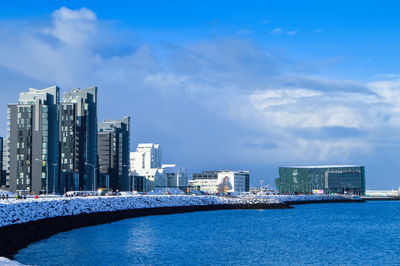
(17, 236)
(23, 222)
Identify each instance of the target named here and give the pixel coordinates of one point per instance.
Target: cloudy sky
(245, 85)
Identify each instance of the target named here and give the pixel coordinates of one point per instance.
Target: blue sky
(224, 84)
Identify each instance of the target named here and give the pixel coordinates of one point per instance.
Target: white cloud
(294, 32)
(276, 31)
(387, 76)
(73, 27)
(65, 13)
(209, 95)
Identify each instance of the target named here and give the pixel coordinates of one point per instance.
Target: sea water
(314, 234)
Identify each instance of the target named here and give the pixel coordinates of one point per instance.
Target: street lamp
(47, 175)
(129, 176)
(54, 177)
(94, 175)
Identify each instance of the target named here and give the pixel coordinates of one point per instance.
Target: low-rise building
(146, 162)
(383, 193)
(224, 181)
(153, 178)
(321, 179)
(175, 176)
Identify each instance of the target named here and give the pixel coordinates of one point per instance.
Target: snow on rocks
(317, 198)
(21, 211)
(7, 262)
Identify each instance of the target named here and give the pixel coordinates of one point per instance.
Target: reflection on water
(351, 233)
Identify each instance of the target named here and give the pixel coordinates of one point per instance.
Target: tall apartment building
(78, 140)
(113, 151)
(6, 162)
(33, 141)
(146, 156)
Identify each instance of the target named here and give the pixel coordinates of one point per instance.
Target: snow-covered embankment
(22, 211)
(25, 221)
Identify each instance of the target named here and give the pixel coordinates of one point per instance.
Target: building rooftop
(148, 145)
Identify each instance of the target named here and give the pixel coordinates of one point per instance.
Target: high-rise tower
(33, 141)
(78, 140)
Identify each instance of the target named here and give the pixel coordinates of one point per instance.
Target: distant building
(113, 151)
(175, 176)
(153, 178)
(221, 181)
(146, 162)
(321, 179)
(139, 183)
(33, 142)
(146, 156)
(383, 193)
(78, 140)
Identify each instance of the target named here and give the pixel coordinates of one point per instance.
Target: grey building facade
(113, 152)
(2, 173)
(6, 162)
(33, 141)
(78, 140)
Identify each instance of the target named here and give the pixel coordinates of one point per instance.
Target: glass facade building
(340, 179)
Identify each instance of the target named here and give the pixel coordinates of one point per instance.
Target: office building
(113, 152)
(175, 176)
(152, 178)
(224, 181)
(78, 140)
(33, 141)
(146, 156)
(145, 163)
(321, 179)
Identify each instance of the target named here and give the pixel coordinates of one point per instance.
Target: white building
(146, 162)
(152, 178)
(221, 181)
(206, 185)
(175, 176)
(146, 156)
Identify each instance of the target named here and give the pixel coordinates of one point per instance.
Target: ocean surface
(315, 234)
